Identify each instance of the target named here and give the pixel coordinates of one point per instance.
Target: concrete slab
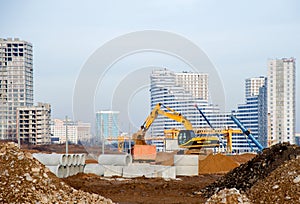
(110, 170)
(166, 172)
(138, 171)
(186, 160)
(186, 170)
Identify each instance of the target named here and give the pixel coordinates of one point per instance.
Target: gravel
(23, 179)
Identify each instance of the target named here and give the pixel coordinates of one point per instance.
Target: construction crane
(247, 132)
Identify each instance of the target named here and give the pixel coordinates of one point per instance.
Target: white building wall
(281, 99)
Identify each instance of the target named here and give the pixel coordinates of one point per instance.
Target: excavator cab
(185, 136)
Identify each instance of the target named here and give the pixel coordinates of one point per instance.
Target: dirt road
(143, 190)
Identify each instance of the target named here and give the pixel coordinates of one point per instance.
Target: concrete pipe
(70, 159)
(51, 159)
(76, 159)
(58, 170)
(77, 169)
(81, 168)
(81, 159)
(115, 159)
(72, 170)
(96, 169)
(66, 171)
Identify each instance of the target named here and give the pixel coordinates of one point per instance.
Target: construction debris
(281, 186)
(23, 179)
(260, 167)
(228, 196)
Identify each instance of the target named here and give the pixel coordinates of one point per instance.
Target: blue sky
(238, 36)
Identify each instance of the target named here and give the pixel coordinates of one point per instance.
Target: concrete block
(96, 169)
(186, 170)
(110, 170)
(138, 171)
(186, 160)
(171, 145)
(166, 172)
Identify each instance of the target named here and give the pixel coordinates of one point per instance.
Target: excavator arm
(139, 136)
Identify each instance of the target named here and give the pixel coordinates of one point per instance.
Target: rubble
(228, 196)
(281, 186)
(23, 179)
(261, 166)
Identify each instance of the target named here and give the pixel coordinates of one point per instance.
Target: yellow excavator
(186, 138)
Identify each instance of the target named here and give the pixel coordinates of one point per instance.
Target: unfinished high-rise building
(16, 83)
(33, 124)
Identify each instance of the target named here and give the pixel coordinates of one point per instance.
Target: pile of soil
(260, 167)
(281, 186)
(23, 179)
(144, 190)
(216, 164)
(242, 158)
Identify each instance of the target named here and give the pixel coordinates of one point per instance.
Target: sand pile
(255, 170)
(24, 180)
(214, 164)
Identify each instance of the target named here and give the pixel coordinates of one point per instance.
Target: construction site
(195, 169)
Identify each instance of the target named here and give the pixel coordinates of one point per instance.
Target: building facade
(195, 83)
(16, 83)
(252, 86)
(180, 92)
(281, 99)
(107, 124)
(33, 124)
(76, 131)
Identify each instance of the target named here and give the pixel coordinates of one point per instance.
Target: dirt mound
(281, 186)
(215, 164)
(246, 175)
(24, 180)
(242, 158)
(144, 190)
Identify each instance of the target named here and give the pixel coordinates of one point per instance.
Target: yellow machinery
(186, 138)
(171, 133)
(226, 132)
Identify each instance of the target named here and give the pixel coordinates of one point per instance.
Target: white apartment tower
(281, 99)
(16, 83)
(253, 85)
(194, 83)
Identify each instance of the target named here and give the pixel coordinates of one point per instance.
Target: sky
(237, 36)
